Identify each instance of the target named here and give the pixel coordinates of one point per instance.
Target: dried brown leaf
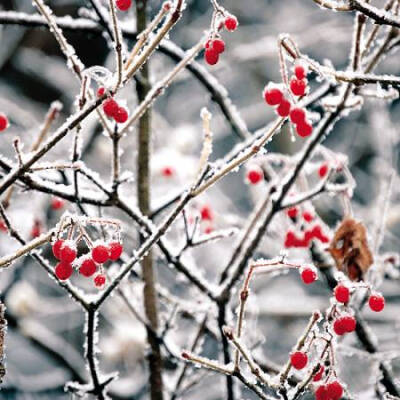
(350, 250)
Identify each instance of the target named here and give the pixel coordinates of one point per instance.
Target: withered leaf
(350, 250)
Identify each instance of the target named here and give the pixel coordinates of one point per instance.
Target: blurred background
(44, 343)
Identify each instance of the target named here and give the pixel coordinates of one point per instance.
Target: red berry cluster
(329, 391)
(254, 174)
(274, 96)
(307, 234)
(215, 45)
(123, 5)
(66, 252)
(344, 324)
(112, 109)
(3, 122)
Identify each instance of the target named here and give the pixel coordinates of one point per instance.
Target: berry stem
(117, 42)
(300, 343)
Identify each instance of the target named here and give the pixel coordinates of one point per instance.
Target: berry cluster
(112, 109)
(215, 45)
(329, 391)
(123, 5)
(90, 263)
(345, 322)
(3, 122)
(274, 96)
(66, 252)
(307, 233)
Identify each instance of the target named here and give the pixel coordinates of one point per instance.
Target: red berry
(334, 390)
(300, 71)
(304, 129)
(100, 254)
(349, 323)
(323, 170)
(167, 5)
(283, 109)
(307, 216)
(63, 271)
(231, 23)
(167, 171)
(67, 253)
(342, 293)
(318, 376)
(36, 229)
(298, 359)
(100, 91)
(297, 115)
(318, 234)
(115, 249)
(100, 280)
(57, 248)
(57, 203)
(292, 212)
(291, 239)
(110, 107)
(206, 213)
(308, 275)
(88, 267)
(302, 243)
(376, 302)
(218, 45)
(321, 393)
(298, 86)
(124, 5)
(211, 56)
(255, 175)
(121, 115)
(208, 229)
(338, 327)
(3, 122)
(3, 226)
(308, 235)
(273, 96)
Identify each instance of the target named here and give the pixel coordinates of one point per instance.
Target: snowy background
(44, 339)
